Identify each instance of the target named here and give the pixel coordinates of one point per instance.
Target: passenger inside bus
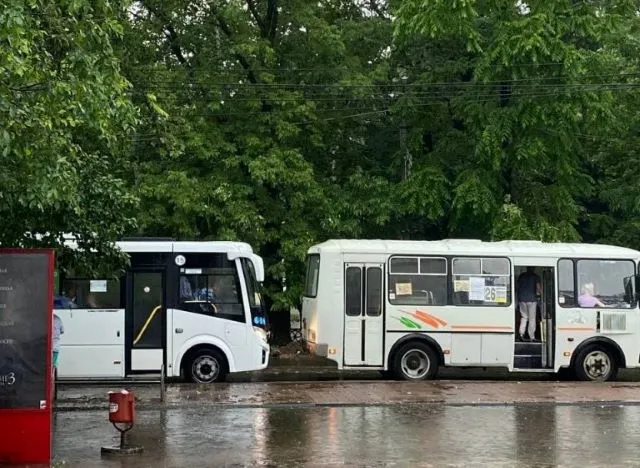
(204, 299)
(587, 299)
(186, 291)
(66, 300)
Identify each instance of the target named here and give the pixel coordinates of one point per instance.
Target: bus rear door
(363, 319)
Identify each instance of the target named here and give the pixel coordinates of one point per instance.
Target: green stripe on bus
(409, 323)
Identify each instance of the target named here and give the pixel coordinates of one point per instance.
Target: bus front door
(145, 321)
(363, 319)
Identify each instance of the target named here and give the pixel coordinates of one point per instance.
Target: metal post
(162, 387)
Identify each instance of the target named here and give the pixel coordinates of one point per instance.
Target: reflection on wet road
(528, 435)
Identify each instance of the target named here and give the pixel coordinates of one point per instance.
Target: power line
(169, 84)
(228, 100)
(372, 112)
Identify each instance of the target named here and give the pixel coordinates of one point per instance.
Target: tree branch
(272, 20)
(173, 38)
(376, 9)
(254, 11)
(251, 76)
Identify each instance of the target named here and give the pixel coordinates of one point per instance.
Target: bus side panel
(574, 326)
(188, 326)
(443, 340)
(468, 336)
(323, 315)
(92, 345)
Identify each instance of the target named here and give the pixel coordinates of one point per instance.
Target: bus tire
(415, 361)
(206, 365)
(596, 363)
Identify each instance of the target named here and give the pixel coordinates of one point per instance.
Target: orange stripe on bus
(434, 317)
(428, 319)
(479, 327)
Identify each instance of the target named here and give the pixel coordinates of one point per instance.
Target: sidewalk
(355, 393)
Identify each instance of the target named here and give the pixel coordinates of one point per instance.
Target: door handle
(178, 330)
(118, 333)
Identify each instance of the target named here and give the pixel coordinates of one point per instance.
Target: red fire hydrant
(122, 411)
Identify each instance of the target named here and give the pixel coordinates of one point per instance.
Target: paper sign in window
(404, 289)
(501, 294)
(98, 286)
(476, 288)
(461, 285)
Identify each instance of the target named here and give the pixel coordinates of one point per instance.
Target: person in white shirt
(58, 329)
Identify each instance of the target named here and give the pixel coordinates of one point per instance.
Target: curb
(158, 406)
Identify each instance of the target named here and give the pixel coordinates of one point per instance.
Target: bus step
(527, 361)
(534, 349)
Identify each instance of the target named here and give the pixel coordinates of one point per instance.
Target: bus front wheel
(596, 363)
(206, 366)
(415, 361)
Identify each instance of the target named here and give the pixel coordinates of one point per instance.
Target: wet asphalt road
(495, 419)
(405, 435)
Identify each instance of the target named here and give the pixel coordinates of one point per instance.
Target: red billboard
(26, 320)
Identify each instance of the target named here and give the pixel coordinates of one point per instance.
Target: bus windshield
(256, 303)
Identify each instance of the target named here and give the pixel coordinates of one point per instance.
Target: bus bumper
(264, 357)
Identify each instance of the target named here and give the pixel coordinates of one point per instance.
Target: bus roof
(184, 246)
(139, 246)
(474, 247)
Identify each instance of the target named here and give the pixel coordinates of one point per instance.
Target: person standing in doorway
(58, 329)
(529, 286)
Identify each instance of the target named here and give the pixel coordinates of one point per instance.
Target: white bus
(192, 308)
(409, 307)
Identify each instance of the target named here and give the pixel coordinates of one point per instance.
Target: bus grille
(614, 322)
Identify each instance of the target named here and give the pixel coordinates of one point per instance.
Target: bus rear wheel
(206, 366)
(596, 363)
(415, 361)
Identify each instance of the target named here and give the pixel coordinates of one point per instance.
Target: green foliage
(66, 114)
(286, 122)
(539, 76)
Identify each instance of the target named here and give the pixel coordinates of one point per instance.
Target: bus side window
(566, 293)
(81, 293)
(482, 281)
(417, 281)
(214, 292)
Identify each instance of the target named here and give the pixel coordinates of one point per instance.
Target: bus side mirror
(636, 282)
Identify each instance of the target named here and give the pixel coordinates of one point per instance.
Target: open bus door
(539, 353)
(145, 320)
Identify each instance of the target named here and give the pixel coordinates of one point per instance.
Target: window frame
(379, 296)
(446, 274)
(205, 272)
(360, 290)
(120, 281)
(575, 282)
(305, 292)
(575, 260)
(510, 275)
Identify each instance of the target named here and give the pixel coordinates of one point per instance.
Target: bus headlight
(261, 333)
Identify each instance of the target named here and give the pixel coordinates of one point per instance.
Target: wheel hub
(415, 364)
(206, 369)
(597, 365)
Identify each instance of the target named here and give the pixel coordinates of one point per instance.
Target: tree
(67, 123)
(525, 83)
(244, 136)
